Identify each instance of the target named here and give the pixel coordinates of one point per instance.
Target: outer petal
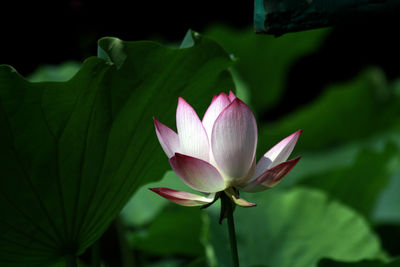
(271, 177)
(168, 139)
(183, 198)
(231, 96)
(217, 105)
(238, 201)
(277, 154)
(234, 139)
(198, 174)
(192, 135)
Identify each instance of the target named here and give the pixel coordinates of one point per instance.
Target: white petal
(277, 154)
(183, 198)
(168, 138)
(192, 135)
(234, 140)
(217, 105)
(198, 174)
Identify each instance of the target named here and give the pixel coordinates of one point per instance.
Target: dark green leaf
(72, 153)
(282, 16)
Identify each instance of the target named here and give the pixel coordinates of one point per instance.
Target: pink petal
(234, 139)
(231, 96)
(198, 174)
(213, 99)
(182, 198)
(217, 105)
(271, 177)
(192, 135)
(168, 139)
(277, 154)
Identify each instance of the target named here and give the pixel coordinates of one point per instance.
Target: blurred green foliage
(327, 212)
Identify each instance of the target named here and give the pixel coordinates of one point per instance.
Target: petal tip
(298, 132)
(181, 100)
(232, 96)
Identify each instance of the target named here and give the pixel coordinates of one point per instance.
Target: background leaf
(264, 61)
(55, 73)
(332, 263)
(360, 184)
(348, 111)
(296, 227)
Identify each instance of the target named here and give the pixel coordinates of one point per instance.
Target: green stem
(229, 205)
(71, 260)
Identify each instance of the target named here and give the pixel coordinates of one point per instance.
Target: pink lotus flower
(218, 154)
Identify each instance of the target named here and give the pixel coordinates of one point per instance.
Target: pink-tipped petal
(237, 200)
(231, 96)
(192, 135)
(183, 198)
(197, 174)
(217, 105)
(213, 99)
(271, 177)
(168, 139)
(234, 140)
(277, 154)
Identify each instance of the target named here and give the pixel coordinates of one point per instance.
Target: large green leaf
(297, 227)
(332, 263)
(345, 112)
(72, 153)
(360, 184)
(264, 61)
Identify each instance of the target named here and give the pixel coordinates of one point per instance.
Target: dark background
(41, 32)
(52, 32)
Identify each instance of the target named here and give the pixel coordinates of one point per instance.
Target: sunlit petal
(192, 135)
(217, 105)
(198, 174)
(234, 139)
(183, 198)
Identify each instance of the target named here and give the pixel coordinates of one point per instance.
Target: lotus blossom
(217, 154)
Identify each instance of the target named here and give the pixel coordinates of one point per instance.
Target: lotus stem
(229, 208)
